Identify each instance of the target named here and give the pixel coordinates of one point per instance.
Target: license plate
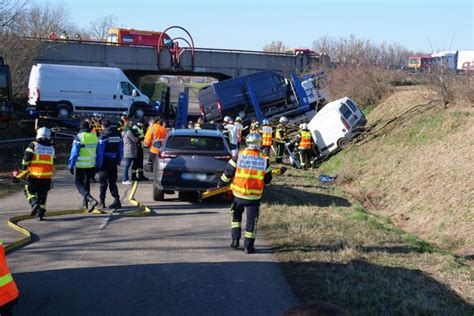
(195, 176)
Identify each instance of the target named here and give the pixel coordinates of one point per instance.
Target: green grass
(336, 251)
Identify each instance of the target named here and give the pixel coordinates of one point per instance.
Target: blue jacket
(110, 149)
(75, 150)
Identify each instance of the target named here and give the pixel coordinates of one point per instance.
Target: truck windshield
(4, 89)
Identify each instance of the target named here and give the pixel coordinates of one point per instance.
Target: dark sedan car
(190, 161)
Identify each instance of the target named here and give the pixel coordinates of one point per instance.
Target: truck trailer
(264, 94)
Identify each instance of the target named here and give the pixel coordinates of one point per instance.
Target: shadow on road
(156, 289)
(279, 194)
(368, 289)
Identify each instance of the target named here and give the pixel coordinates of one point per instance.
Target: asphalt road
(176, 262)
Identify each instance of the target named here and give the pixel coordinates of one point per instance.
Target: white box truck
(336, 124)
(61, 90)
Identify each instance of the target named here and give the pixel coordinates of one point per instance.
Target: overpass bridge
(138, 61)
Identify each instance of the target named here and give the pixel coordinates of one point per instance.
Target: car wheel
(158, 195)
(64, 111)
(343, 143)
(139, 112)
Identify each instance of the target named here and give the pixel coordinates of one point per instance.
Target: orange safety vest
(154, 133)
(8, 289)
(306, 141)
(42, 165)
(267, 136)
(249, 176)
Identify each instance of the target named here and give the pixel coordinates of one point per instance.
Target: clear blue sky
(252, 24)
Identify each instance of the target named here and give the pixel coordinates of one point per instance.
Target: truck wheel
(343, 143)
(138, 112)
(158, 195)
(64, 111)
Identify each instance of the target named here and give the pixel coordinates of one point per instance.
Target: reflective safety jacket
(39, 160)
(84, 150)
(267, 139)
(8, 289)
(140, 133)
(249, 171)
(110, 148)
(281, 135)
(154, 133)
(305, 141)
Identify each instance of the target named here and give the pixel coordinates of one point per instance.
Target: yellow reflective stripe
(244, 191)
(233, 163)
(40, 173)
(224, 178)
(25, 163)
(235, 225)
(269, 169)
(247, 197)
(30, 150)
(250, 235)
(29, 195)
(248, 176)
(7, 278)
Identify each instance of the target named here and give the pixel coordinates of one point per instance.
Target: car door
(125, 98)
(349, 112)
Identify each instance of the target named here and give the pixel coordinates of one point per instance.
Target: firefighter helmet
(254, 140)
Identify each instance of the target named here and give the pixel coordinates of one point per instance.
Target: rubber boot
(35, 209)
(102, 204)
(116, 204)
(134, 176)
(141, 176)
(41, 213)
(250, 250)
(84, 204)
(92, 203)
(235, 243)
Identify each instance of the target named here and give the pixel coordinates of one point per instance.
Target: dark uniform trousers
(280, 151)
(36, 191)
(237, 209)
(83, 180)
(137, 164)
(305, 157)
(108, 178)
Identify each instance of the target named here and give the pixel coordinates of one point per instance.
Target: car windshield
(196, 143)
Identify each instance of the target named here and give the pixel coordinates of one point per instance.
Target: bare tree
(10, 13)
(43, 18)
(98, 29)
(275, 47)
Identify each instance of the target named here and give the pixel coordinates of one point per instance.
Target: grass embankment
(381, 240)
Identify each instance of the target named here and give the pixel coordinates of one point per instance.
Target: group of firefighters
(278, 139)
(99, 147)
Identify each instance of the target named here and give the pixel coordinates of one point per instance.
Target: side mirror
(134, 93)
(157, 144)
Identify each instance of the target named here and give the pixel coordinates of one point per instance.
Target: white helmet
(227, 119)
(265, 122)
(43, 132)
(283, 120)
(304, 126)
(238, 119)
(254, 140)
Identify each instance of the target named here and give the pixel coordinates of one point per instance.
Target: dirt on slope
(416, 167)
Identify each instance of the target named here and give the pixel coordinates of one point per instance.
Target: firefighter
(83, 158)
(123, 122)
(155, 133)
(137, 165)
(267, 137)
(255, 127)
(64, 36)
(248, 171)
(109, 157)
(8, 289)
(238, 129)
(96, 123)
(305, 145)
(281, 138)
(39, 161)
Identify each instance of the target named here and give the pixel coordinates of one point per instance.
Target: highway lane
(176, 262)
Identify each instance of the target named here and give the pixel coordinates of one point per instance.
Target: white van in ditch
(62, 89)
(335, 124)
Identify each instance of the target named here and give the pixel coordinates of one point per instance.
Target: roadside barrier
(142, 210)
